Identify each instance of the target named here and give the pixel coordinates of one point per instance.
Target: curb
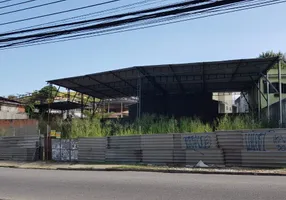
(169, 171)
(199, 172)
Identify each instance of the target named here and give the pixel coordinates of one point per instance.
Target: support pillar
(268, 99)
(93, 106)
(81, 107)
(68, 100)
(259, 100)
(121, 109)
(139, 97)
(280, 95)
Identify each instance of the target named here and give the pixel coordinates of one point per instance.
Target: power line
(98, 13)
(16, 4)
(89, 35)
(119, 22)
(246, 7)
(5, 1)
(32, 7)
(57, 13)
(181, 4)
(168, 19)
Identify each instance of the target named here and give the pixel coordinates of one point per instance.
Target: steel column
(81, 106)
(259, 100)
(268, 108)
(69, 96)
(280, 95)
(121, 109)
(139, 90)
(93, 106)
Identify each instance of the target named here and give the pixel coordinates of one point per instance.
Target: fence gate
(65, 150)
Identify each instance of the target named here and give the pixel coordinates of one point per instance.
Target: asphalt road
(18, 184)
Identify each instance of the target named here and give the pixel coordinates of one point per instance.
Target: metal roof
(65, 105)
(9, 101)
(218, 76)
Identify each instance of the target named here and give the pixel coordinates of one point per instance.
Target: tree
(271, 54)
(44, 95)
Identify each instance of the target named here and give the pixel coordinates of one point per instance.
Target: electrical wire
(16, 4)
(181, 4)
(57, 13)
(192, 18)
(98, 13)
(5, 1)
(32, 7)
(246, 7)
(45, 37)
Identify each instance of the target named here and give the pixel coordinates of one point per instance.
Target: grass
(148, 124)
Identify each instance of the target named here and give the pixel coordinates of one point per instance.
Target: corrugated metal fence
(20, 148)
(258, 148)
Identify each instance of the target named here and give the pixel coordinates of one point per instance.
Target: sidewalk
(140, 168)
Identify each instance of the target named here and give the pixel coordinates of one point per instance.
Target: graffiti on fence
(280, 142)
(255, 141)
(64, 150)
(196, 142)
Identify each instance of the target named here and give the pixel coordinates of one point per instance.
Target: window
(271, 89)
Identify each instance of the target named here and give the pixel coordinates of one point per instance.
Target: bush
(148, 124)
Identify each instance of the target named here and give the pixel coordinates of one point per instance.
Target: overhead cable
(97, 13)
(211, 11)
(17, 4)
(57, 13)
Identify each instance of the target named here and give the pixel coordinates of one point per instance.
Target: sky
(237, 35)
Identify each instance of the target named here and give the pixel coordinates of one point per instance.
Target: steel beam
(178, 80)
(250, 107)
(106, 85)
(258, 88)
(266, 78)
(235, 71)
(123, 80)
(151, 79)
(74, 96)
(87, 87)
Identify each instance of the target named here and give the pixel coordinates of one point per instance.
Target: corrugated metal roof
(9, 101)
(218, 76)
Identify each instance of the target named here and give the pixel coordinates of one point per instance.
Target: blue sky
(237, 35)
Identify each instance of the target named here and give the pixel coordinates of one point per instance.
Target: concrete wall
(247, 148)
(19, 127)
(11, 112)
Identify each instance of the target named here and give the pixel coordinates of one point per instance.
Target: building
(241, 104)
(225, 101)
(177, 90)
(273, 93)
(10, 109)
(251, 99)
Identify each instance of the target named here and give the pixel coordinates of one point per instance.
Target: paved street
(19, 184)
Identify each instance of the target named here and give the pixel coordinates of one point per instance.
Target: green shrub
(148, 124)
